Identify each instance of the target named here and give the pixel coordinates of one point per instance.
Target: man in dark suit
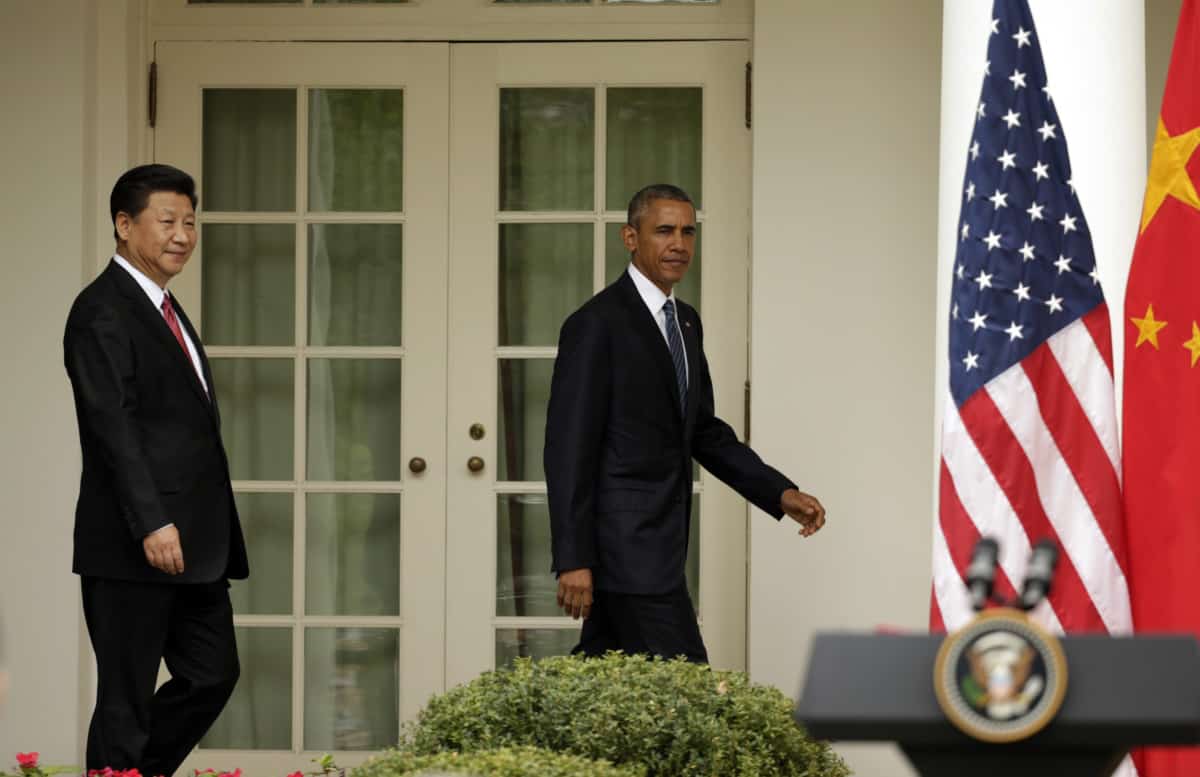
(157, 535)
(631, 404)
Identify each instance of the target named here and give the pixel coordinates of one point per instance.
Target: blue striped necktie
(675, 344)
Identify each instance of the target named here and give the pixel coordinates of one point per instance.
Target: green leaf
(659, 718)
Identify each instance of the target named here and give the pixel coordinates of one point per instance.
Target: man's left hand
(804, 509)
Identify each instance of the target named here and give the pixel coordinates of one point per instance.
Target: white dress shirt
(655, 299)
(156, 295)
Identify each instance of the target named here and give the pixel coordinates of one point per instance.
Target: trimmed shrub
(674, 718)
(504, 762)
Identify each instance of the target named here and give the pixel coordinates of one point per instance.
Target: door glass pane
(259, 714)
(355, 284)
(546, 148)
(524, 583)
(654, 136)
(249, 284)
(616, 261)
(524, 392)
(354, 419)
(351, 682)
(356, 150)
(352, 564)
(249, 150)
(267, 527)
(533, 643)
(255, 397)
(545, 274)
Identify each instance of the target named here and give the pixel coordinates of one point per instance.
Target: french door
(391, 235)
(548, 143)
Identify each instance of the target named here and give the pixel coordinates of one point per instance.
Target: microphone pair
(980, 575)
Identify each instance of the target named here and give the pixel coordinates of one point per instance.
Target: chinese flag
(1161, 410)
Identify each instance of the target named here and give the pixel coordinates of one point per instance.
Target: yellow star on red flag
(1193, 345)
(1168, 171)
(1148, 328)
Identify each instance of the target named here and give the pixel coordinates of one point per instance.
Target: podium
(1123, 692)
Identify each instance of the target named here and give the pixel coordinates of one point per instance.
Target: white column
(1096, 68)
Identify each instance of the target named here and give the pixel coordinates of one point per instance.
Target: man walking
(631, 404)
(157, 535)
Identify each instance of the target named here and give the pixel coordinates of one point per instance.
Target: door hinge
(746, 414)
(152, 95)
(749, 94)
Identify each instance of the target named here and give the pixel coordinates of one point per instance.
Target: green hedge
(673, 718)
(505, 762)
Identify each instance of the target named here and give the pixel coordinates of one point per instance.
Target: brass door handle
(475, 464)
(416, 465)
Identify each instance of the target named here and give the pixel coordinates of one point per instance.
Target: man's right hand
(163, 550)
(575, 592)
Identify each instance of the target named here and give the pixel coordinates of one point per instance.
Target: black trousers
(132, 627)
(658, 625)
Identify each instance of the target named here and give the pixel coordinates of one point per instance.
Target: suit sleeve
(575, 421)
(100, 363)
(716, 446)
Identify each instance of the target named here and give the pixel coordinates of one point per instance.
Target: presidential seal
(1000, 678)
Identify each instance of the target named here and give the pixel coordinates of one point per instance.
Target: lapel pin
(688, 324)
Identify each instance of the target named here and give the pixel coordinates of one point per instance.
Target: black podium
(1122, 692)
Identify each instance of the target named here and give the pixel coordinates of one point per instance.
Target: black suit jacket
(619, 447)
(150, 439)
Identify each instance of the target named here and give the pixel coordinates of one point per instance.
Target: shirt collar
(152, 289)
(651, 294)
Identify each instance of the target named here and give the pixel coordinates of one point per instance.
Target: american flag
(1029, 434)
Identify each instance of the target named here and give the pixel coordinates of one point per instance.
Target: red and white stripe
(1031, 455)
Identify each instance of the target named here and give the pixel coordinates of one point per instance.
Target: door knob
(416, 465)
(475, 464)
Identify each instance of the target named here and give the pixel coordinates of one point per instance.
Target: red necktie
(168, 311)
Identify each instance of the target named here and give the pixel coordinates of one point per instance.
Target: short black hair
(657, 191)
(131, 193)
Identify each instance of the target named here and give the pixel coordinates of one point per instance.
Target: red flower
(27, 760)
(296, 774)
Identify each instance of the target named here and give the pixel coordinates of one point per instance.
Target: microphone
(981, 572)
(1039, 574)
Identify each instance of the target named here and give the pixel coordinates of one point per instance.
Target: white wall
(845, 260)
(42, 82)
(69, 80)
